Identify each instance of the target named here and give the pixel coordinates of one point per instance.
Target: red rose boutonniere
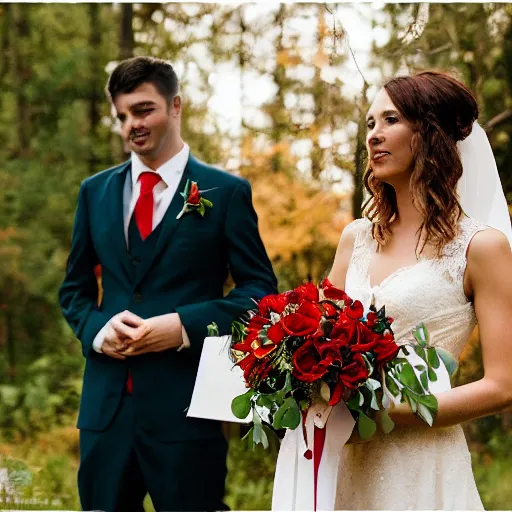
(193, 200)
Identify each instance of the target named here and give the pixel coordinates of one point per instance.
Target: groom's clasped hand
(129, 335)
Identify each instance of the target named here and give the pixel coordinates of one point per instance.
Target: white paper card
(218, 381)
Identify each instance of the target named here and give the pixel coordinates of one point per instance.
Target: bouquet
(315, 344)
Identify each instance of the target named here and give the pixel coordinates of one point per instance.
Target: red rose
(345, 330)
(246, 344)
(193, 196)
(307, 363)
(366, 340)
(329, 309)
(292, 297)
(329, 350)
(299, 325)
(247, 364)
(337, 393)
(254, 368)
(385, 350)
(308, 291)
(311, 310)
(257, 322)
(272, 304)
(355, 310)
(276, 333)
(371, 319)
(354, 373)
(331, 292)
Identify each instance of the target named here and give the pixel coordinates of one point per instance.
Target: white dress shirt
(171, 173)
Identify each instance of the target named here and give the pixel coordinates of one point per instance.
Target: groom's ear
(175, 106)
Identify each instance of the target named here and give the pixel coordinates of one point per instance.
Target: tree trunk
(317, 154)
(127, 41)
(21, 69)
(126, 46)
(11, 346)
(95, 87)
(357, 198)
(279, 76)
(5, 46)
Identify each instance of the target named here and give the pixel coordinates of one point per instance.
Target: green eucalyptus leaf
(432, 375)
(288, 415)
(420, 334)
(265, 401)
(374, 403)
(288, 383)
(272, 437)
(260, 437)
(355, 401)
(241, 405)
(213, 329)
(238, 331)
(425, 414)
(424, 379)
(386, 423)
(366, 426)
(429, 401)
(392, 386)
(372, 384)
(432, 357)
(420, 352)
(250, 438)
(408, 378)
(410, 400)
(449, 361)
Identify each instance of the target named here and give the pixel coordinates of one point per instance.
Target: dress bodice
(430, 291)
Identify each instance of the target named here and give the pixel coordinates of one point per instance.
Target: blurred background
(276, 93)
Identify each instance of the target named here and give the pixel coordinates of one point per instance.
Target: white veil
(480, 192)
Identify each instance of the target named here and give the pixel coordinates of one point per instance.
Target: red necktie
(145, 203)
(144, 220)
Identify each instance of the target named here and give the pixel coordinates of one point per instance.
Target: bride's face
(389, 140)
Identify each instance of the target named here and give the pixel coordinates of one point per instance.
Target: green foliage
(250, 475)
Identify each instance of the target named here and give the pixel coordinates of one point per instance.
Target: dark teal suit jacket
(186, 275)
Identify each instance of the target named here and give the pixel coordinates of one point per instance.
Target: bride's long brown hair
(441, 111)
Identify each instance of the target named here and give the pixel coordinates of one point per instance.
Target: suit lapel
(169, 222)
(114, 198)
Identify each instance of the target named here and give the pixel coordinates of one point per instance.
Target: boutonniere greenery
(194, 200)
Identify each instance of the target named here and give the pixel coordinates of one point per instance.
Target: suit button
(137, 297)
(136, 260)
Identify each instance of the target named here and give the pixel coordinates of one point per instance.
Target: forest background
(276, 93)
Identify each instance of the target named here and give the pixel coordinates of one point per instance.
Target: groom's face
(149, 123)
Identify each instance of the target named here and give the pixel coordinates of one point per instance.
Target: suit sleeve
(78, 293)
(250, 268)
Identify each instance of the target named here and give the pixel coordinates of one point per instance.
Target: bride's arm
(488, 280)
(342, 259)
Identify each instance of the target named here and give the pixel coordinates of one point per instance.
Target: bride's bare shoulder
(344, 251)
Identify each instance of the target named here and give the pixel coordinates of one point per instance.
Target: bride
(427, 252)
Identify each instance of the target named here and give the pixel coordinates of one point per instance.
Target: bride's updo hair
(442, 111)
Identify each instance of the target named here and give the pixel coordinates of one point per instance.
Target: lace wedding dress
(412, 469)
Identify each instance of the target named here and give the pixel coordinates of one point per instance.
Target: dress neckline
(372, 248)
(393, 274)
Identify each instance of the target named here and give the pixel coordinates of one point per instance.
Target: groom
(164, 262)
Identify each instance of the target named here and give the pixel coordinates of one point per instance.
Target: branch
(344, 35)
(496, 120)
(440, 49)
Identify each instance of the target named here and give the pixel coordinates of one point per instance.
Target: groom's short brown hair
(131, 73)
